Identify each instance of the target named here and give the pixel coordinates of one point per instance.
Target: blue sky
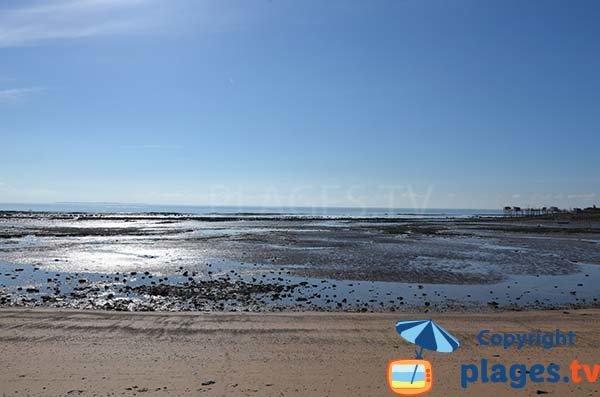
(462, 104)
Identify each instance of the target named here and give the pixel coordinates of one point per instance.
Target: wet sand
(51, 353)
(275, 262)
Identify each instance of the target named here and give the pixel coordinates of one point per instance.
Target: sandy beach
(286, 306)
(51, 353)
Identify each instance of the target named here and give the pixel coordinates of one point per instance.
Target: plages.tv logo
(412, 377)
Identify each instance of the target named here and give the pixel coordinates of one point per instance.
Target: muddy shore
(273, 262)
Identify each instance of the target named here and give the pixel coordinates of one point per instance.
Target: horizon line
(115, 203)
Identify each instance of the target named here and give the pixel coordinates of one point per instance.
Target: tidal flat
(278, 262)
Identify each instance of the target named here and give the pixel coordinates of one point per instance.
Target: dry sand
(47, 353)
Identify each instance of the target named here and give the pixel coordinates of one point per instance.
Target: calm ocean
(230, 210)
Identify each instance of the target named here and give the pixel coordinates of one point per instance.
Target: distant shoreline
(231, 216)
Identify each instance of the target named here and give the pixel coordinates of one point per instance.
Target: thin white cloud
(585, 196)
(32, 22)
(67, 19)
(15, 95)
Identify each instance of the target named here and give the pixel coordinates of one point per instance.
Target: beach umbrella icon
(427, 335)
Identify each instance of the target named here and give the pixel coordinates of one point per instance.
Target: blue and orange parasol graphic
(427, 335)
